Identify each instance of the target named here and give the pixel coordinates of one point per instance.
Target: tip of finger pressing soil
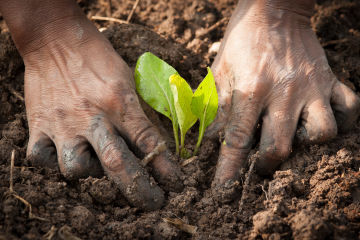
(143, 192)
(226, 192)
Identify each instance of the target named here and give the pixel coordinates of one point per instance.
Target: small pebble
(215, 47)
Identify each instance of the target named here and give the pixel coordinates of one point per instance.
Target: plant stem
(182, 143)
(182, 140)
(176, 136)
(201, 135)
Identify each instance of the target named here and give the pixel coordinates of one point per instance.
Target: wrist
(68, 31)
(301, 7)
(36, 23)
(275, 12)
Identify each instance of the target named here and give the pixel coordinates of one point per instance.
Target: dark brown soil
(314, 195)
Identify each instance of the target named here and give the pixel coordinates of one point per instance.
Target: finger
(318, 123)
(237, 144)
(123, 167)
(136, 127)
(41, 150)
(215, 128)
(223, 87)
(278, 130)
(77, 159)
(346, 106)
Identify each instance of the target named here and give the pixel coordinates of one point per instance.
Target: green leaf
(205, 104)
(152, 84)
(182, 99)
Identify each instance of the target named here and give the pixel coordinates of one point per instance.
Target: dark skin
(80, 94)
(272, 68)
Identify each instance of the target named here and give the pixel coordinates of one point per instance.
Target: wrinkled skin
(272, 70)
(84, 114)
(85, 102)
(82, 109)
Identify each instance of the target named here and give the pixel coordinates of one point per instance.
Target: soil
(314, 195)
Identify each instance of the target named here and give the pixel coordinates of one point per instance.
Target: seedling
(204, 105)
(182, 99)
(167, 92)
(152, 83)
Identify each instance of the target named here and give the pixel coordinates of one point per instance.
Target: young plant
(183, 95)
(204, 105)
(167, 92)
(152, 83)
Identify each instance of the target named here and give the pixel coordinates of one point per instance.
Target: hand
(82, 107)
(272, 70)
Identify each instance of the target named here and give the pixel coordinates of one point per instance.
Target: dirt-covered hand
(82, 107)
(272, 70)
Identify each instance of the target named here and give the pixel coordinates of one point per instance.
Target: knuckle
(287, 79)
(60, 113)
(256, 88)
(129, 97)
(215, 129)
(328, 133)
(324, 133)
(113, 93)
(146, 137)
(124, 101)
(111, 98)
(109, 93)
(239, 131)
(354, 106)
(237, 136)
(84, 104)
(232, 158)
(110, 157)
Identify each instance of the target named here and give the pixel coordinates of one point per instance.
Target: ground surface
(314, 195)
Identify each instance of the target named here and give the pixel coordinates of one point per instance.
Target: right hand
(272, 70)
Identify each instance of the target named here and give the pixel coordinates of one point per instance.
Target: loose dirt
(314, 195)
